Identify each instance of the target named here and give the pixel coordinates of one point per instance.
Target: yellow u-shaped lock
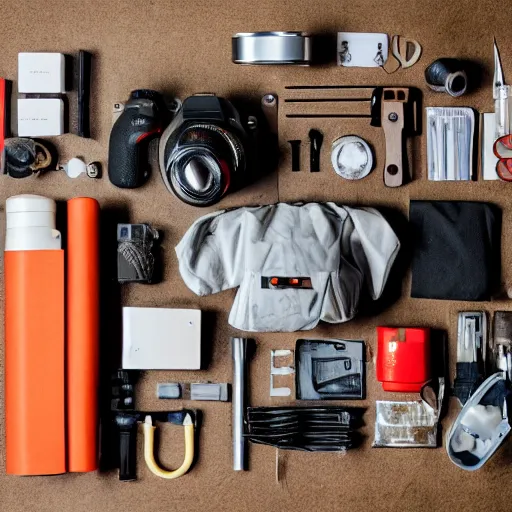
(149, 456)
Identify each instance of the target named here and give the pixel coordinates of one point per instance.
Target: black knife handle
(128, 453)
(84, 93)
(316, 138)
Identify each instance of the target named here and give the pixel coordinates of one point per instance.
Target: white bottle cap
(30, 211)
(30, 222)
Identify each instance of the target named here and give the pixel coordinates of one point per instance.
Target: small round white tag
(75, 167)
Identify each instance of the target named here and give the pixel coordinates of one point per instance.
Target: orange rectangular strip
(82, 333)
(34, 362)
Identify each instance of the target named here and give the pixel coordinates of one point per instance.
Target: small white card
(40, 117)
(362, 50)
(161, 339)
(41, 73)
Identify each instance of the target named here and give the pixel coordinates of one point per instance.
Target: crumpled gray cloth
(342, 249)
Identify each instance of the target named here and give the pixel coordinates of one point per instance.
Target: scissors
(502, 149)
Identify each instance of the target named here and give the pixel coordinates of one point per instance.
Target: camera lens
(202, 152)
(198, 174)
(202, 161)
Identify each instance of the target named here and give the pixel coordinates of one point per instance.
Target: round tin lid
(351, 157)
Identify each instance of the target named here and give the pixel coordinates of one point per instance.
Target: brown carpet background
(184, 47)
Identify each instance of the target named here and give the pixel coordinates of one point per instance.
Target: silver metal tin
(291, 48)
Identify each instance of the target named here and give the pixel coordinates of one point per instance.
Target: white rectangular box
(488, 159)
(40, 117)
(161, 339)
(41, 73)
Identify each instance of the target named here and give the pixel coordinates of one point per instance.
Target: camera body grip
(141, 121)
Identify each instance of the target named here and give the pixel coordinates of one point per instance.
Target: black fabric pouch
(456, 250)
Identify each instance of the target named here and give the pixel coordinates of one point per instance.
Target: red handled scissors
(502, 149)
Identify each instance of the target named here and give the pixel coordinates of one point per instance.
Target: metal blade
(499, 79)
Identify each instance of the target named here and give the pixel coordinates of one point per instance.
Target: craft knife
(501, 94)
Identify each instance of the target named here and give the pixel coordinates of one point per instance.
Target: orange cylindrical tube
(82, 378)
(34, 339)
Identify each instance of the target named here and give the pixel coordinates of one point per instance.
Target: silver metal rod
(239, 348)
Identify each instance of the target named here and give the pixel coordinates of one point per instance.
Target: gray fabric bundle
(342, 249)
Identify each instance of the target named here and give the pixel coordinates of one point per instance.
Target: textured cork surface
(184, 47)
